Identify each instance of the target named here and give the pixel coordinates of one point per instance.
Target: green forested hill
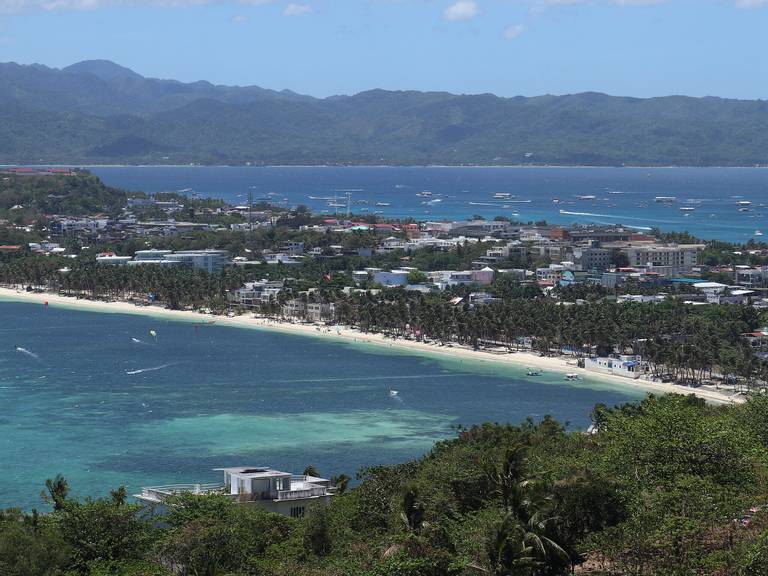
(98, 112)
(24, 198)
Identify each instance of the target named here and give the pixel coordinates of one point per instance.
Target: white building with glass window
(279, 492)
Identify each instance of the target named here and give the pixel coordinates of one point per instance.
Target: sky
(323, 47)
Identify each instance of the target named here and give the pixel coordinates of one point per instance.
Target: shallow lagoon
(89, 402)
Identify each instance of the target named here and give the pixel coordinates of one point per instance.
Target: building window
(297, 512)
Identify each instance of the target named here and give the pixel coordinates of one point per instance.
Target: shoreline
(349, 335)
(553, 166)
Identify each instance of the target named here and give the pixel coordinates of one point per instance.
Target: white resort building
(623, 365)
(279, 492)
(211, 261)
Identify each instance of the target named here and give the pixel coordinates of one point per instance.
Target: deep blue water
(623, 195)
(86, 401)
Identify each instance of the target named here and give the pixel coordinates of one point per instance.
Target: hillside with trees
(99, 112)
(667, 486)
(24, 198)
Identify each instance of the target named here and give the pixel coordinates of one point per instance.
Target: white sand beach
(563, 365)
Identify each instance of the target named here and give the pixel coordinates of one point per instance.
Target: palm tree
(507, 550)
(505, 475)
(57, 490)
(526, 531)
(340, 482)
(119, 495)
(413, 509)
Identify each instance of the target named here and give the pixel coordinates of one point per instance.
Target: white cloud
(297, 9)
(638, 2)
(458, 10)
(751, 3)
(541, 4)
(12, 6)
(239, 19)
(513, 31)
(17, 6)
(461, 10)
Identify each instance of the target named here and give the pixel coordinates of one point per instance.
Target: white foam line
(142, 370)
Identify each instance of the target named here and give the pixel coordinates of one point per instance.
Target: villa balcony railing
(163, 492)
(302, 489)
(301, 494)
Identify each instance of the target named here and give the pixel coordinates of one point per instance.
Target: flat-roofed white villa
(279, 492)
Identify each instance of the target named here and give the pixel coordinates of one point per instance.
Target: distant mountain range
(101, 113)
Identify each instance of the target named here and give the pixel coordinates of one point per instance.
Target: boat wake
(142, 370)
(590, 214)
(27, 352)
(499, 203)
(593, 215)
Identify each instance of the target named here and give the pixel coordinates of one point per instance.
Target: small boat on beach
(533, 372)
(572, 376)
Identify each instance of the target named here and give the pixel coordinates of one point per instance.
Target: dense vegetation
(101, 113)
(668, 487)
(25, 198)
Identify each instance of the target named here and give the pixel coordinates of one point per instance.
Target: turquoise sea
(621, 195)
(82, 398)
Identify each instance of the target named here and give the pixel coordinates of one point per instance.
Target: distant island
(97, 112)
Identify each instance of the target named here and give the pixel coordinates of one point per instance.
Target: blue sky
(324, 47)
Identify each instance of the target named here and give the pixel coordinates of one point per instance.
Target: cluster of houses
(149, 216)
(600, 255)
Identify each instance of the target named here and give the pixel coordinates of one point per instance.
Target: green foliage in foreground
(668, 486)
